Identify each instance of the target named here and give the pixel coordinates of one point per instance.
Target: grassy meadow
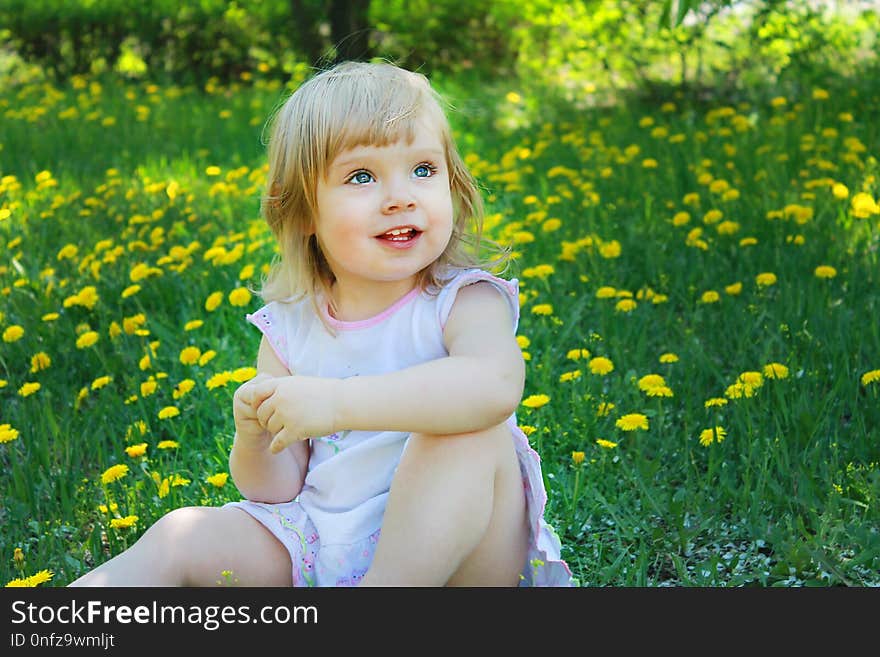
(699, 289)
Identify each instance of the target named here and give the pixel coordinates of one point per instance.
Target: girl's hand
(248, 429)
(295, 408)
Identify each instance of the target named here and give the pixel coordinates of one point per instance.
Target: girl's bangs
(366, 118)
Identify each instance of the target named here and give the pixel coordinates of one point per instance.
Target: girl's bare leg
(456, 514)
(192, 546)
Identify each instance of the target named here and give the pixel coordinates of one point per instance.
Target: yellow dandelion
(610, 249)
(13, 333)
(123, 523)
(40, 361)
(193, 324)
(183, 388)
(604, 409)
(68, 251)
(775, 371)
(130, 291)
(707, 436)
(681, 218)
(167, 444)
(218, 480)
(625, 306)
(114, 473)
(765, 279)
(34, 580)
(86, 340)
(131, 324)
(710, 296)
(169, 412)
(218, 380)
(753, 379)
(839, 191)
(733, 289)
(569, 376)
(535, 401)
(164, 487)
(29, 388)
(668, 357)
(632, 422)
(527, 429)
(542, 309)
(577, 354)
(605, 444)
(825, 271)
(136, 450)
(739, 390)
(601, 365)
(715, 401)
(7, 433)
(577, 458)
(870, 377)
(190, 355)
(651, 381)
(243, 374)
(240, 296)
(213, 301)
(101, 381)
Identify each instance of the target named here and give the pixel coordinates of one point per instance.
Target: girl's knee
(178, 525)
(487, 441)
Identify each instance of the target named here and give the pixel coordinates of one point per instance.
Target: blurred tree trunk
(305, 18)
(350, 29)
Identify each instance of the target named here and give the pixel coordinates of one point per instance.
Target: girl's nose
(398, 199)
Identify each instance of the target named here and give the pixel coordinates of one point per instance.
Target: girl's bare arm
(479, 385)
(260, 475)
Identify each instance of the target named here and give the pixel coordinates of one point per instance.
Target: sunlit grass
(699, 291)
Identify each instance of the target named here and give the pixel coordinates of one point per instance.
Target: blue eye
(361, 178)
(424, 170)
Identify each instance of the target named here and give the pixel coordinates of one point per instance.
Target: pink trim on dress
(343, 325)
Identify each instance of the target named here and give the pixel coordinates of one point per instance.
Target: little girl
(378, 443)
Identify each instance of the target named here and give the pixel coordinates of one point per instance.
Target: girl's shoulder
(453, 280)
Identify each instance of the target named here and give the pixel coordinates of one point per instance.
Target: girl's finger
(282, 439)
(247, 390)
(265, 410)
(244, 408)
(274, 424)
(262, 390)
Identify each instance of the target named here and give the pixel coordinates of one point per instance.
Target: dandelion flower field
(700, 294)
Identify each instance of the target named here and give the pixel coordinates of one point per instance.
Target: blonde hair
(349, 105)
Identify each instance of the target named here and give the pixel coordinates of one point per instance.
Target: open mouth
(404, 234)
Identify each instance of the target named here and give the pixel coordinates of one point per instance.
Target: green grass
(790, 497)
